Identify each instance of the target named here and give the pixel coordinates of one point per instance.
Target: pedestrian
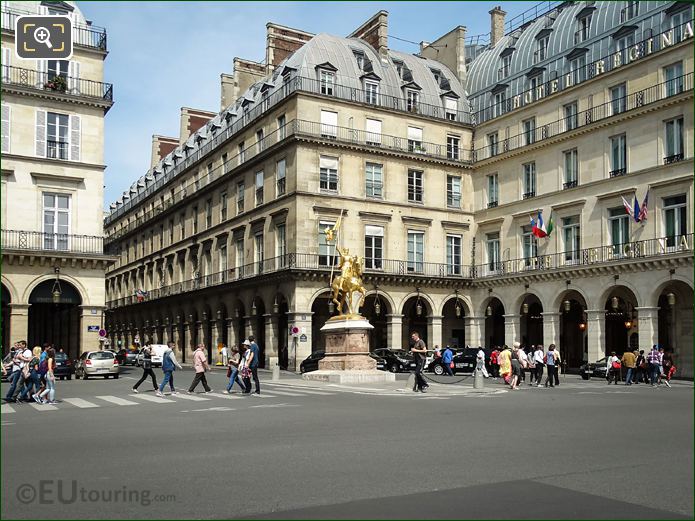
(252, 360)
(448, 361)
(613, 367)
(169, 365)
(505, 361)
(549, 361)
(20, 371)
(558, 366)
(146, 369)
(654, 360)
(516, 366)
(225, 355)
(200, 364)
(532, 365)
(538, 359)
(437, 352)
(669, 367)
(523, 362)
(419, 350)
(494, 363)
(480, 357)
(233, 370)
(50, 380)
(642, 368)
(33, 383)
(628, 361)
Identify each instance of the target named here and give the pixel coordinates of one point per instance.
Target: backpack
(43, 367)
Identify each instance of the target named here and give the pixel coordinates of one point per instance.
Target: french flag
(538, 226)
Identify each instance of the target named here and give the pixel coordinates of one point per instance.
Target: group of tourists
(242, 366)
(655, 368)
(31, 373)
(514, 364)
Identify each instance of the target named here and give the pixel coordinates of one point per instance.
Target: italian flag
(551, 226)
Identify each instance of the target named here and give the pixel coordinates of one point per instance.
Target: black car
(464, 362)
(311, 362)
(596, 369)
(127, 356)
(64, 368)
(396, 360)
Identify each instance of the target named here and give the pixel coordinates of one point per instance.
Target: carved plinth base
(347, 346)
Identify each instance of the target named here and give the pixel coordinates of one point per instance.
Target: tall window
(453, 191)
(529, 244)
(675, 222)
(182, 226)
(240, 260)
(242, 152)
(673, 146)
(225, 166)
(329, 124)
(415, 186)
(195, 219)
(529, 131)
(492, 242)
(452, 147)
(259, 188)
(619, 228)
(505, 64)
(56, 221)
(374, 180)
(260, 143)
(371, 92)
(412, 99)
(583, 27)
(240, 192)
(326, 251)
(416, 251)
(414, 139)
(571, 236)
(630, 10)
(450, 108)
(327, 82)
(499, 104)
(623, 45)
(453, 254)
(373, 128)
(529, 180)
(280, 177)
(281, 243)
(328, 173)
(618, 156)
(541, 49)
(223, 206)
(533, 83)
(679, 18)
(171, 231)
(571, 121)
(578, 69)
(571, 168)
(222, 266)
(673, 77)
(492, 191)
(618, 98)
(493, 144)
(57, 68)
(373, 247)
(208, 214)
(57, 141)
(258, 248)
(282, 131)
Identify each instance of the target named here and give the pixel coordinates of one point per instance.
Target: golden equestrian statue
(348, 293)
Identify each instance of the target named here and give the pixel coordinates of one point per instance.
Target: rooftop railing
(51, 242)
(51, 83)
(606, 110)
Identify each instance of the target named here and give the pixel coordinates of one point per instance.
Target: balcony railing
(85, 35)
(493, 204)
(634, 101)
(646, 249)
(69, 85)
(619, 172)
(57, 149)
(51, 242)
(673, 159)
(569, 184)
(529, 195)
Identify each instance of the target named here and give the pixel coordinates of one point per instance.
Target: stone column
(89, 341)
(232, 340)
(187, 340)
(434, 331)
(596, 329)
(512, 329)
(166, 336)
(249, 326)
(551, 330)
(299, 350)
(647, 326)
(214, 341)
(19, 323)
(272, 336)
(475, 331)
(394, 331)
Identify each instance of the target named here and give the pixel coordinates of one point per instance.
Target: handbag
(616, 365)
(452, 365)
(229, 371)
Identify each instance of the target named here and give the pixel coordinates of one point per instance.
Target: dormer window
(505, 66)
(359, 58)
(371, 92)
(628, 12)
(437, 75)
(541, 49)
(583, 26)
(450, 108)
(412, 99)
(327, 79)
(399, 68)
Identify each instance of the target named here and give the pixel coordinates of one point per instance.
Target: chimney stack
(496, 25)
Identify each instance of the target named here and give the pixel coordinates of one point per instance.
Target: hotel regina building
(434, 164)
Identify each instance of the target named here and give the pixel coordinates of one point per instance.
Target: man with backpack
(252, 364)
(169, 365)
(448, 360)
(146, 369)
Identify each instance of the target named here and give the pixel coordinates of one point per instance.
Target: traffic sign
(102, 333)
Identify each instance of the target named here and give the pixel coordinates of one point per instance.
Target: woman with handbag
(233, 365)
(50, 380)
(613, 367)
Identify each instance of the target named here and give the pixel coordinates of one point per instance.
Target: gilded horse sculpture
(348, 285)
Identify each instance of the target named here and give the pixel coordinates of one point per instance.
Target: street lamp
(671, 299)
(567, 305)
(582, 326)
(331, 306)
(524, 308)
(56, 292)
(377, 304)
(615, 303)
(253, 307)
(488, 311)
(418, 304)
(276, 306)
(458, 306)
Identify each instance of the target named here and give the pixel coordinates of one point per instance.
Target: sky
(168, 55)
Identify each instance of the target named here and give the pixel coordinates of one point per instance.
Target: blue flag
(636, 210)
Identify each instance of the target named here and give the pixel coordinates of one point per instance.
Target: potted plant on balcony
(57, 83)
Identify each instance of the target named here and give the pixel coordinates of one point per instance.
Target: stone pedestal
(347, 357)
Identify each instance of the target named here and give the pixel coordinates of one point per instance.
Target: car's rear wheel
(438, 370)
(69, 377)
(393, 368)
(84, 376)
(115, 376)
(585, 376)
(62, 377)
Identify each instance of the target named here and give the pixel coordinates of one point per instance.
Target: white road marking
(116, 400)
(6, 408)
(130, 378)
(154, 399)
(351, 388)
(285, 393)
(79, 402)
(274, 405)
(191, 397)
(8, 423)
(214, 409)
(227, 396)
(42, 407)
(298, 388)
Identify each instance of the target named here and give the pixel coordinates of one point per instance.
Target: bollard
(411, 381)
(478, 381)
(276, 372)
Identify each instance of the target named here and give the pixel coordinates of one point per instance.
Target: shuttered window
(5, 127)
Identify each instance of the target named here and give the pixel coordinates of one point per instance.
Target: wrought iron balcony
(673, 158)
(529, 195)
(57, 150)
(493, 204)
(51, 242)
(569, 184)
(619, 172)
(50, 83)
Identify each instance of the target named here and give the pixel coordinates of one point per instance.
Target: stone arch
(486, 301)
(465, 300)
(67, 278)
(661, 285)
(620, 283)
(557, 302)
(423, 297)
(524, 296)
(11, 290)
(384, 297)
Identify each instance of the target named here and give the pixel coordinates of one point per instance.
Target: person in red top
(494, 362)
(200, 364)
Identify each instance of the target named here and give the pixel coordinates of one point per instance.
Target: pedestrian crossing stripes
(155, 399)
(6, 408)
(43, 407)
(116, 400)
(79, 402)
(191, 397)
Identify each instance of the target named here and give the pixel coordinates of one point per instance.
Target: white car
(157, 352)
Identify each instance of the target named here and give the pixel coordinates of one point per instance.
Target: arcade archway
(6, 302)
(54, 316)
(494, 323)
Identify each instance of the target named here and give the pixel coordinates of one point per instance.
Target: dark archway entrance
(378, 336)
(321, 312)
(675, 323)
(257, 312)
(415, 312)
(531, 321)
(573, 337)
(283, 331)
(454, 323)
(494, 323)
(620, 321)
(55, 322)
(6, 301)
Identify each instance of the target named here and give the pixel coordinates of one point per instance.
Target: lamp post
(56, 292)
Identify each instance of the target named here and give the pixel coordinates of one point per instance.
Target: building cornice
(59, 162)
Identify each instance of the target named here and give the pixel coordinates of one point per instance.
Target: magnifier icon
(43, 35)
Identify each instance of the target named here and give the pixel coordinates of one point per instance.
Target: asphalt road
(583, 450)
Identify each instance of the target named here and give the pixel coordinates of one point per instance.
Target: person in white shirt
(523, 362)
(481, 362)
(538, 355)
(612, 373)
(225, 356)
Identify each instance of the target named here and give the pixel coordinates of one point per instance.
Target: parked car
(311, 362)
(97, 363)
(127, 356)
(396, 360)
(596, 369)
(157, 352)
(464, 362)
(64, 368)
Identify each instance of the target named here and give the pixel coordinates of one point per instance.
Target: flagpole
(336, 229)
